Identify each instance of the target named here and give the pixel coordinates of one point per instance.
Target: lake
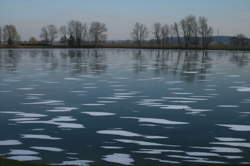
(124, 106)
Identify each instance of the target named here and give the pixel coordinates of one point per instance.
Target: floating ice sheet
(124, 159)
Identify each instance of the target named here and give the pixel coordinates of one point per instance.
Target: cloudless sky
(228, 16)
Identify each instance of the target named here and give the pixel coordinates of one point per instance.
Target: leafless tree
(139, 33)
(239, 40)
(49, 34)
(157, 33)
(32, 40)
(205, 32)
(77, 31)
(176, 32)
(10, 34)
(190, 30)
(97, 32)
(63, 32)
(44, 35)
(1, 35)
(165, 35)
(52, 31)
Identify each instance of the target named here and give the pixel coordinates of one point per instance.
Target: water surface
(109, 106)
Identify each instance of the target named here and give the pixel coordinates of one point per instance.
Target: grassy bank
(130, 46)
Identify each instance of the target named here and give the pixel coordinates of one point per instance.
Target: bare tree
(63, 32)
(49, 34)
(157, 33)
(165, 35)
(139, 33)
(205, 32)
(32, 40)
(176, 32)
(77, 32)
(1, 35)
(10, 35)
(52, 31)
(239, 40)
(44, 35)
(97, 32)
(190, 30)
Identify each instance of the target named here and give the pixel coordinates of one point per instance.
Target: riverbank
(127, 46)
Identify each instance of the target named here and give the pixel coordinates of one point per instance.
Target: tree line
(188, 33)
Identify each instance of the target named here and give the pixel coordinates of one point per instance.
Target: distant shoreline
(124, 46)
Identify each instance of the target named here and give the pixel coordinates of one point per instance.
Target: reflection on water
(109, 106)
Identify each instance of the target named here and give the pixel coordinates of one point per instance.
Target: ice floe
(9, 142)
(156, 121)
(202, 154)
(112, 147)
(237, 144)
(77, 162)
(124, 159)
(142, 143)
(62, 109)
(163, 161)
(157, 151)
(25, 158)
(22, 152)
(51, 149)
(34, 136)
(119, 133)
(228, 139)
(236, 127)
(99, 113)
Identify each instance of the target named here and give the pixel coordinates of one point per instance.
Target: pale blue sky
(229, 16)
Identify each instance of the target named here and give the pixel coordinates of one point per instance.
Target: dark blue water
(122, 106)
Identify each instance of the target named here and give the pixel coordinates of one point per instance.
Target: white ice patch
(124, 159)
(23, 119)
(202, 154)
(9, 142)
(119, 133)
(221, 149)
(205, 161)
(24, 158)
(77, 162)
(236, 127)
(243, 89)
(156, 121)
(58, 124)
(22, 152)
(94, 104)
(142, 143)
(51, 149)
(184, 98)
(237, 144)
(163, 161)
(99, 113)
(64, 119)
(175, 107)
(155, 137)
(33, 136)
(62, 109)
(227, 139)
(46, 102)
(157, 151)
(228, 106)
(111, 147)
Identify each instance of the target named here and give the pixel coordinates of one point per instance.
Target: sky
(227, 17)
